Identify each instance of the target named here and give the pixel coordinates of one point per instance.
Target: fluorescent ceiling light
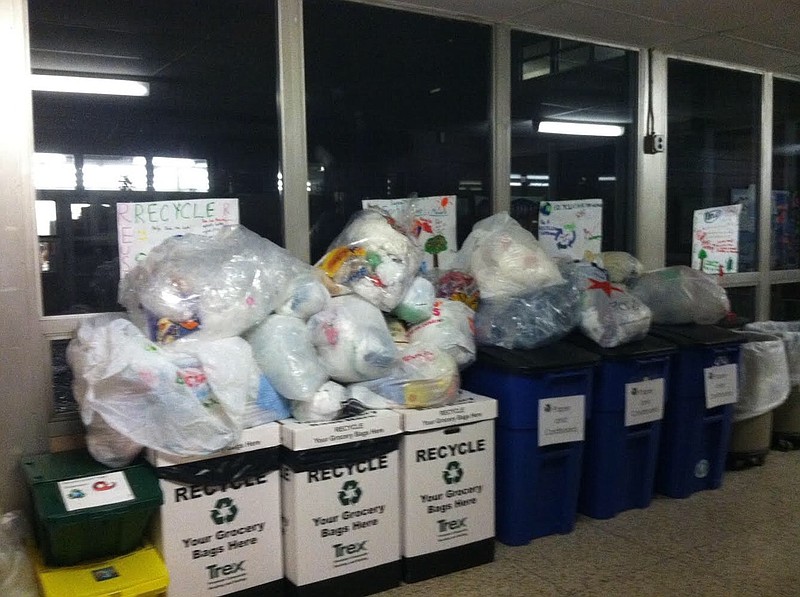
(66, 84)
(581, 128)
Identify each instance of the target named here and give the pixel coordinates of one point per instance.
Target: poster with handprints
(433, 223)
(715, 239)
(141, 226)
(571, 228)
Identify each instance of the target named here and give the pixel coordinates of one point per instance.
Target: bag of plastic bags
(185, 399)
(305, 296)
(417, 303)
(621, 266)
(534, 319)
(283, 350)
(609, 314)
(325, 405)
(763, 375)
(505, 259)
(789, 332)
(456, 285)
(451, 328)
(352, 340)
(17, 577)
(679, 294)
(424, 377)
(207, 287)
(373, 257)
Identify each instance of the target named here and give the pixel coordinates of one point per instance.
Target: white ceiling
(762, 34)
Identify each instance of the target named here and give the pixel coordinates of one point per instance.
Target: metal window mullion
(292, 120)
(763, 289)
(500, 118)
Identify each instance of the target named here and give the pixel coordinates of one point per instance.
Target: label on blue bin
(561, 419)
(644, 401)
(720, 385)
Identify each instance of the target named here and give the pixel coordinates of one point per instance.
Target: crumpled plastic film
(451, 328)
(196, 287)
(352, 340)
(373, 257)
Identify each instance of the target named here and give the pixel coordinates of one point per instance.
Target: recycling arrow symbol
(224, 511)
(453, 473)
(350, 493)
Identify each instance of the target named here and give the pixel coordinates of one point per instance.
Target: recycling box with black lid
(219, 530)
(623, 432)
(544, 396)
(698, 412)
(447, 486)
(85, 510)
(340, 491)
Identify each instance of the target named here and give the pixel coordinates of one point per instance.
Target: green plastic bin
(84, 510)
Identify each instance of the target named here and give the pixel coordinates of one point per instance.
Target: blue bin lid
(693, 334)
(553, 357)
(646, 347)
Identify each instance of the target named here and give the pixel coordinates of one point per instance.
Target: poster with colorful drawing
(571, 228)
(141, 226)
(433, 222)
(715, 239)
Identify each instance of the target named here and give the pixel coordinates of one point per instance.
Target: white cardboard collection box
(340, 492)
(222, 539)
(447, 486)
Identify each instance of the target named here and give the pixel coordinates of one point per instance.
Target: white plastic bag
(763, 375)
(417, 303)
(621, 266)
(352, 340)
(196, 287)
(183, 399)
(679, 294)
(425, 376)
(284, 353)
(789, 332)
(505, 259)
(305, 296)
(17, 577)
(451, 328)
(374, 257)
(325, 405)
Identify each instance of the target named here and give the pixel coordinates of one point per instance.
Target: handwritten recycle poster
(715, 239)
(571, 228)
(141, 226)
(434, 221)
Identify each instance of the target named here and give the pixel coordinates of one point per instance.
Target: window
(713, 158)
(785, 302)
(397, 105)
(207, 127)
(785, 248)
(581, 84)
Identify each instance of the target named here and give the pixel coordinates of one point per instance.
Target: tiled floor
(740, 540)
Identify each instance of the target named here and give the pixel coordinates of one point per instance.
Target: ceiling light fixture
(67, 84)
(581, 128)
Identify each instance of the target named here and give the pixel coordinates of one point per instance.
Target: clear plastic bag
(763, 375)
(187, 399)
(456, 285)
(374, 257)
(425, 376)
(621, 266)
(325, 405)
(196, 287)
(417, 303)
(305, 296)
(789, 332)
(283, 350)
(531, 320)
(679, 294)
(352, 340)
(451, 328)
(17, 577)
(505, 259)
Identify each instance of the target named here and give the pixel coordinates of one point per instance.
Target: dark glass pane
(743, 301)
(785, 174)
(565, 81)
(785, 304)
(211, 70)
(713, 153)
(62, 378)
(397, 105)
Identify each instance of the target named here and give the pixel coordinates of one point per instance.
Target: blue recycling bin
(624, 429)
(544, 396)
(696, 428)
